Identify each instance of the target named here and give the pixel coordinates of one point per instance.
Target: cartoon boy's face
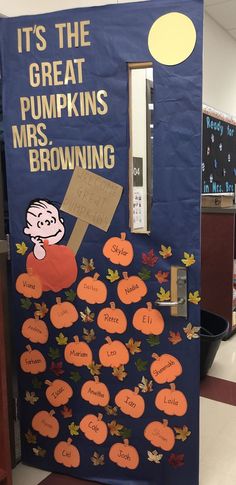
(43, 222)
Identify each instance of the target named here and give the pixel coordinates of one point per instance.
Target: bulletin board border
(208, 110)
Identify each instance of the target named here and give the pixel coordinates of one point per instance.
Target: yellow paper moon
(172, 38)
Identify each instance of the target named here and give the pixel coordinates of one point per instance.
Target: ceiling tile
(224, 14)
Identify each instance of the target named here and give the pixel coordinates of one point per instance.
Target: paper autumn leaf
(145, 273)
(41, 310)
(75, 376)
(70, 295)
(30, 437)
(176, 460)
(191, 331)
(112, 275)
(97, 459)
(163, 295)
(162, 277)
(194, 297)
(87, 265)
(88, 335)
(141, 365)
(54, 353)
(61, 339)
(153, 340)
(36, 383)
(114, 428)
(125, 433)
(31, 397)
(87, 316)
(149, 258)
(154, 456)
(111, 411)
(165, 252)
(25, 303)
(145, 385)
(174, 337)
(188, 259)
(73, 428)
(39, 452)
(119, 372)
(182, 433)
(133, 346)
(21, 248)
(66, 412)
(94, 369)
(56, 368)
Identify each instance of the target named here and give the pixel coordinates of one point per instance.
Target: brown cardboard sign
(92, 199)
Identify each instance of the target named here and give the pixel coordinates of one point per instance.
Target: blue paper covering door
(105, 395)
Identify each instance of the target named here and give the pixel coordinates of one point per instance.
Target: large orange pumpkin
(124, 455)
(118, 250)
(171, 401)
(46, 424)
(131, 289)
(94, 428)
(63, 314)
(113, 354)
(58, 392)
(35, 330)
(95, 392)
(57, 270)
(160, 435)
(112, 319)
(29, 284)
(78, 353)
(32, 361)
(67, 454)
(148, 320)
(165, 368)
(130, 402)
(92, 290)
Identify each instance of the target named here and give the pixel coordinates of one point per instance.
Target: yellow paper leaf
(188, 259)
(145, 385)
(165, 252)
(115, 428)
(119, 372)
(94, 369)
(21, 248)
(154, 456)
(112, 275)
(88, 335)
(111, 411)
(163, 295)
(74, 429)
(31, 397)
(97, 459)
(61, 339)
(41, 310)
(133, 346)
(182, 433)
(194, 297)
(191, 331)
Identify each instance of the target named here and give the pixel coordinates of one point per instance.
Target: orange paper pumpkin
(113, 354)
(112, 319)
(148, 320)
(78, 353)
(92, 290)
(165, 368)
(94, 428)
(35, 330)
(171, 401)
(63, 314)
(46, 424)
(124, 455)
(57, 270)
(32, 361)
(67, 454)
(29, 284)
(58, 392)
(118, 250)
(160, 435)
(95, 392)
(130, 402)
(131, 289)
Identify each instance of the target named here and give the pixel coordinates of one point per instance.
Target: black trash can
(213, 329)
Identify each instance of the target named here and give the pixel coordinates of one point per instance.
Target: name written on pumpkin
(132, 288)
(78, 354)
(162, 369)
(125, 456)
(171, 401)
(93, 426)
(119, 251)
(95, 393)
(55, 394)
(28, 285)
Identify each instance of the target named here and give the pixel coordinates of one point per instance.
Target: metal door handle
(180, 301)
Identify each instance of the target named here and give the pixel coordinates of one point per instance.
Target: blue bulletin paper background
(118, 35)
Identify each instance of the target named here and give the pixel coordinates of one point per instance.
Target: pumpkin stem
(58, 300)
(172, 386)
(125, 275)
(136, 390)
(165, 422)
(69, 441)
(108, 340)
(96, 378)
(123, 236)
(112, 305)
(52, 412)
(49, 383)
(30, 271)
(126, 442)
(29, 348)
(76, 338)
(96, 276)
(155, 356)
(100, 416)
(149, 305)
